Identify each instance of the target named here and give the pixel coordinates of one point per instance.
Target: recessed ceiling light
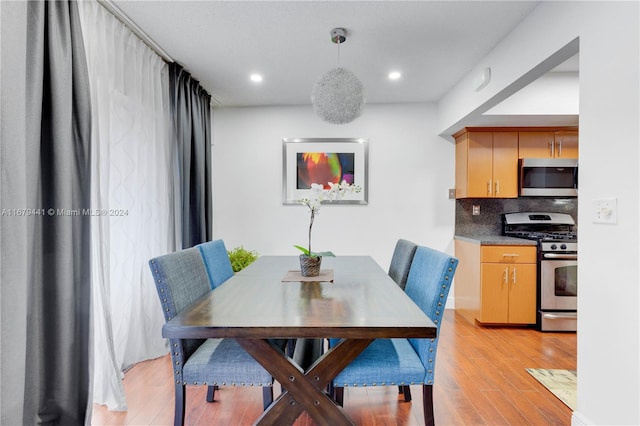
(394, 75)
(256, 78)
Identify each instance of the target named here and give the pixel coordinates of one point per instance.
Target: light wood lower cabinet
(496, 284)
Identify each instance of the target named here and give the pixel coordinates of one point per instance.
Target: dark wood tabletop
(361, 302)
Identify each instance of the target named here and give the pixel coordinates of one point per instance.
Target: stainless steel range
(557, 294)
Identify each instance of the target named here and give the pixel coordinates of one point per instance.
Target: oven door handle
(568, 315)
(560, 256)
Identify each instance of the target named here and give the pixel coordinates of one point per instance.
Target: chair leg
(427, 404)
(406, 390)
(211, 391)
(339, 395)
(178, 417)
(291, 346)
(267, 396)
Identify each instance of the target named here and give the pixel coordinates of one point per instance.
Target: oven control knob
(553, 246)
(563, 246)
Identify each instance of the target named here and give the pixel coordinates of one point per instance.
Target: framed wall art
(317, 160)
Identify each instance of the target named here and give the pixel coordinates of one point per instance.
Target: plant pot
(310, 265)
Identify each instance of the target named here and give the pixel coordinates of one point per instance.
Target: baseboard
(451, 303)
(578, 419)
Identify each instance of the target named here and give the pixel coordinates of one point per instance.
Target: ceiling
(432, 43)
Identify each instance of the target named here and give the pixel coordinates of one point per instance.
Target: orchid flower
(318, 194)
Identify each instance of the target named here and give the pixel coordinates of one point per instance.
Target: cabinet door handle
(510, 255)
(551, 149)
(513, 277)
(560, 148)
(497, 187)
(489, 187)
(505, 276)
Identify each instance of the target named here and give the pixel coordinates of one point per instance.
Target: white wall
(609, 296)
(554, 93)
(410, 170)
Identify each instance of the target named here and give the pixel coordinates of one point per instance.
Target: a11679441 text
(65, 212)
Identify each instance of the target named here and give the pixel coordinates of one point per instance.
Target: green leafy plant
(240, 258)
(318, 195)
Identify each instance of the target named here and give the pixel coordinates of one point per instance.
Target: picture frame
(307, 160)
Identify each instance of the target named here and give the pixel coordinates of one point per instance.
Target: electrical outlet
(475, 211)
(605, 210)
(452, 193)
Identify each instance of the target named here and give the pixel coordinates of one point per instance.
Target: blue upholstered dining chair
(181, 279)
(216, 261)
(401, 261)
(218, 266)
(394, 362)
(399, 271)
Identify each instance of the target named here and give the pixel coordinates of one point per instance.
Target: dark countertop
(495, 240)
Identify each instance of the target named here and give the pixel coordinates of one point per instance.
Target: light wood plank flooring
(480, 380)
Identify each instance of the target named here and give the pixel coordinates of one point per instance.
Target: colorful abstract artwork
(323, 161)
(324, 167)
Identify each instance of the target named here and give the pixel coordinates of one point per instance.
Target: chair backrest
(401, 261)
(428, 286)
(216, 261)
(181, 279)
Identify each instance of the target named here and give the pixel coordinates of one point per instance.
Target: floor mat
(562, 383)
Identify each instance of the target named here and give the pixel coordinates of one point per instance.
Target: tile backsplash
(489, 221)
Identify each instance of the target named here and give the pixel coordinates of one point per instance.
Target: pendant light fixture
(338, 96)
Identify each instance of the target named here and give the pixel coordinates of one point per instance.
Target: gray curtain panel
(45, 231)
(190, 107)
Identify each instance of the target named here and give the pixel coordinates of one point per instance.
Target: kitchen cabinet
(496, 284)
(486, 164)
(548, 144)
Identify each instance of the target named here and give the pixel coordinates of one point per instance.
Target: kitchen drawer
(508, 254)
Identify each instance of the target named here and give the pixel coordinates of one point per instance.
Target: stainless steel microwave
(548, 177)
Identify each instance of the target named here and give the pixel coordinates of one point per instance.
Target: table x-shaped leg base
(304, 391)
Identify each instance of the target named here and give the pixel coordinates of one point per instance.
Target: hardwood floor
(480, 380)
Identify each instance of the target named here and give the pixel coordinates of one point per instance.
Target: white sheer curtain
(132, 190)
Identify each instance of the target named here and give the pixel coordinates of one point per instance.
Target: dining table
(353, 300)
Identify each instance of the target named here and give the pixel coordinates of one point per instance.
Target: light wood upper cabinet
(566, 144)
(505, 164)
(548, 144)
(486, 164)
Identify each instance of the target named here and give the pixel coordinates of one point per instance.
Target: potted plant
(240, 258)
(310, 261)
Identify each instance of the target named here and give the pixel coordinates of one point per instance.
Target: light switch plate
(605, 210)
(452, 193)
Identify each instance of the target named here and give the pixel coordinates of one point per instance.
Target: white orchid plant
(336, 191)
